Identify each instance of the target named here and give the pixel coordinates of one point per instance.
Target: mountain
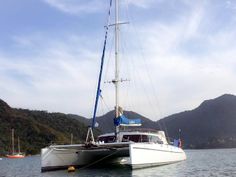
(105, 121)
(211, 125)
(37, 129)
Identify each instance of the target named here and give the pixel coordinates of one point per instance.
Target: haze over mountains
(211, 125)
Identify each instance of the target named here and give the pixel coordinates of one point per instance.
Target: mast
(18, 145)
(12, 139)
(71, 138)
(116, 80)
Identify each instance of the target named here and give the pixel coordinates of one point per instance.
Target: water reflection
(160, 171)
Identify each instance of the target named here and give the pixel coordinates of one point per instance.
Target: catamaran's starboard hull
(144, 155)
(135, 155)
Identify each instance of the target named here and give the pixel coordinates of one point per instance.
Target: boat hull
(60, 157)
(15, 156)
(144, 155)
(134, 155)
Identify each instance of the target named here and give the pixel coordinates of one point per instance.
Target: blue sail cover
(124, 121)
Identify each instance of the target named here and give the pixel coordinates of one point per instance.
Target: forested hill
(36, 129)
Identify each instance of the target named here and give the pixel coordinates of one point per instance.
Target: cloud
(78, 6)
(187, 61)
(172, 66)
(231, 5)
(194, 21)
(61, 77)
(143, 3)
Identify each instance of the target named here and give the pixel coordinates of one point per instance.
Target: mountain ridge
(199, 128)
(210, 125)
(212, 120)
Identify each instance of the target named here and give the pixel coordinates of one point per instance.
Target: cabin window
(127, 138)
(107, 139)
(135, 138)
(155, 139)
(144, 138)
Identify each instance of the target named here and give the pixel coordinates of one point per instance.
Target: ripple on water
(199, 163)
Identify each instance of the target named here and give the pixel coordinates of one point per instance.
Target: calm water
(205, 163)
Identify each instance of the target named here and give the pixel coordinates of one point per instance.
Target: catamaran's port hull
(133, 155)
(62, 156)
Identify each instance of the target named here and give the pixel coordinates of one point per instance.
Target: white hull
(62, 156)
(135, 155)
(147, 155)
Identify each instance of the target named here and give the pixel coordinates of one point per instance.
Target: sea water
(199, 163)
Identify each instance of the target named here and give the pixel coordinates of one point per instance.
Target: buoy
(71, 169)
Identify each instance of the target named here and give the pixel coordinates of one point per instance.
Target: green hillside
(37, 129)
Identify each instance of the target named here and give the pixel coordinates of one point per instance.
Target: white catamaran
(136, 148)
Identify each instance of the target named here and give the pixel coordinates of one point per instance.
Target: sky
(175, 54)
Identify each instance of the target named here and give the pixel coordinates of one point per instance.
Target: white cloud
(231, 5)
(142, 3)
(194, 20)
(166, 72)
(78, 6)
(94, 6)
(184, 78)
(61, 77)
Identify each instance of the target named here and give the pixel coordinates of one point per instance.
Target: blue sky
(181, 52)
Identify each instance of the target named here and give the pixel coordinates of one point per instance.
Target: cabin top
(135, 136)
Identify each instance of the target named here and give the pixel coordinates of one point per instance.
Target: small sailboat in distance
(15, 155)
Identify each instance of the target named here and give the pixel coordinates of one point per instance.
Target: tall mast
(116, 81)
(12, 139)
(18, 145)
(71, 138)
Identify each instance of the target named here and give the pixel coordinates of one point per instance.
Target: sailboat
(133, 148)
(15, 155)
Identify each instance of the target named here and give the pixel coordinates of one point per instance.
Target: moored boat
(135, 149)
(15, 155)
(132, 148)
